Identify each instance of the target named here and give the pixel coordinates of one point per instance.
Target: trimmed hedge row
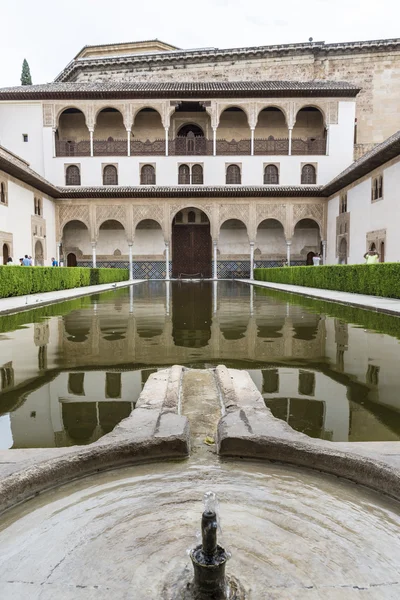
(375, 280)
(18, 281)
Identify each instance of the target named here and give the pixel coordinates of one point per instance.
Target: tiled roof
(18, 168)
(376, 157)
(209, 89)
(218, 55)
(190, 191)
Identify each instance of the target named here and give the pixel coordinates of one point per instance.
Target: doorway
(39, 257)
(71, 260)
(6, 253)
(191, 244)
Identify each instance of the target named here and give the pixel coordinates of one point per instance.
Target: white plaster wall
(17, 118)
(15, 218)
(367, 216)
(233, 241)
(110, 240)
(271, 241)
(148, 242)
(305, 238)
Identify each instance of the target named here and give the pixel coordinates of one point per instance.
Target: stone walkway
(19, 303)
(376, 303)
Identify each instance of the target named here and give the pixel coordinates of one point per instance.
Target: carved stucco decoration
(73, 212)
(285, 107)
(141, 212)
(322, 105)
(206, 208)
(48, 115)
(309, 211)
(114, 213)
(271, 211)
(235, 211)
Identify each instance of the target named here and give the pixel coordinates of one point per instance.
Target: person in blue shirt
(54, 262)
(25, 261)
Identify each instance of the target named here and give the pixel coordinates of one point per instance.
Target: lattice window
(191, 216)
(197, 175)
(233, 175)
(343, 203)
(72, 175)
(110, 175)
(179, 217)
(377, 188)
(184, 175)
(271, 175)
(147, 175)
(308, 174)
(380, 187)
(3, 193)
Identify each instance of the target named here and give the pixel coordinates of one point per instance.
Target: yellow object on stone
(209, 440)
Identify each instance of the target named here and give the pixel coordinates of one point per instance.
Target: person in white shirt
(316, 260)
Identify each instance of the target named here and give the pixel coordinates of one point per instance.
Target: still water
(70, 372)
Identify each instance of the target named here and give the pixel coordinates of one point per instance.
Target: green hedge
(375, 280)
(19, 281)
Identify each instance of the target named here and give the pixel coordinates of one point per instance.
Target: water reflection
(69, 379)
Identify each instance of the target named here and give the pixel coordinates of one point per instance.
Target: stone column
(288, 245)
(215, 297)
(131, 299)
(91, 141)
(130, 262)
(166, 141)
(128, 141)
(252, 141)
(324, 252)
(94, 254)
(290, 141)
(58, 252)
(167, 261)
(168, 298)
(215, 259)
(251, 300)
(251, 260)
(214, 141)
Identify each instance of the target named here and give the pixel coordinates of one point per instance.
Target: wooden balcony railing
(197, 146)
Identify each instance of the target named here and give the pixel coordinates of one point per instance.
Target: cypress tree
(26, 78)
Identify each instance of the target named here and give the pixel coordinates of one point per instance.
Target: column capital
(252, 243)
(288, 242)
(130, 243)
(323, 242)
(94, 244)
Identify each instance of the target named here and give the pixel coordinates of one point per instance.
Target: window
(343, 203)
(3, 193)
(76, 384)
(191, 216)
(24, 137)
(179, 217)
(113, 385)
(271, 175)
(308, 174)
(372, 376)
(184, 175)
(147, 175)
(72, 175)
(190, 175)
(197, 175)
(377, 188)
(233, 175)
(110, 175)
(38, 206)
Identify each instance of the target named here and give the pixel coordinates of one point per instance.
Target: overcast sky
(49, 33)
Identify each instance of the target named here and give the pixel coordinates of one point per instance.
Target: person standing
(371, 257)
(54, 262)
(30, 261)
(316, 260)
(10, 262)
(26, 262)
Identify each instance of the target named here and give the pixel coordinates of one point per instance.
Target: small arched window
(37, 206)
(3, 197)
(184, 175)
(179, 217)
(72, 175)
(147, 175)
(308, 174)
(233, 175)
(191, 216)
(271, 175)
(375, 190)
(197, 175)
(110, 175)
(343, 203)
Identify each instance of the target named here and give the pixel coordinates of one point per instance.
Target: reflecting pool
(71, 371)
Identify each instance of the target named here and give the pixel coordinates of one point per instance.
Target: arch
(234, 105)
(79, 420)
(185, 130)
(111, 235)
(71, 259)
(184, 175)
(191, 216)
(380, 186)
(70, 107)
(382, 252)
(72, 175)
(104, 108)
(308, 174)
(306, 239)
(191, 204)
(70, 221)
(314, 106)
(282, 109)
(39, 254)
(270, 239)
(110, 175)
(147, 175)
(197, 175)
(6, 253)
(307, 221)
(148, 240)
(271, 175)
(109, 127)
(342, 253)
(145, 108)
(233, 175)
(372, 247)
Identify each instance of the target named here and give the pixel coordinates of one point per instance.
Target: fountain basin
(126, 534)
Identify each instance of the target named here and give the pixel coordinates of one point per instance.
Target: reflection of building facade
(174, 174)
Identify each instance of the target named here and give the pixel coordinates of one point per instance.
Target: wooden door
(191, 250)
